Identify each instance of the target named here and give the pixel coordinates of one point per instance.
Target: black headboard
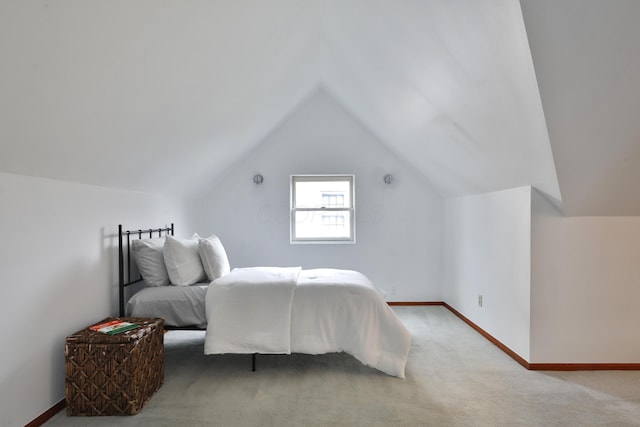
(124, 256)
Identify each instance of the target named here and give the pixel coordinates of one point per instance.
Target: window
(322, 209)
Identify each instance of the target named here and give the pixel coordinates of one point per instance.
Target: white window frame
(352, 209)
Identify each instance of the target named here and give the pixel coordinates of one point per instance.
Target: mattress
(285, 310)
(179, 306)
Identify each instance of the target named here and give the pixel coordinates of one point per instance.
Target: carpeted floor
(454, 378)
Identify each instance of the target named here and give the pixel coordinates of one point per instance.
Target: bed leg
(253, 362)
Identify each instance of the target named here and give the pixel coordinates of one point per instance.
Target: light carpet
(455, 377)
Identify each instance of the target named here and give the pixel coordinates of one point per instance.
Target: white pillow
(147, 254)
(182, 261)
(213, 257)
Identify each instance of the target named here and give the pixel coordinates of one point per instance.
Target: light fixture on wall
(258, 178)
(387, 178)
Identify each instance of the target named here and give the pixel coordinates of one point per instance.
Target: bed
(257, 310)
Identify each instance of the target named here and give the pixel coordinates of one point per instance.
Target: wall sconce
(387, 178)
(258, 179)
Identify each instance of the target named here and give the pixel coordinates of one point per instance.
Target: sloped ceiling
(587, 60)
(165, 96)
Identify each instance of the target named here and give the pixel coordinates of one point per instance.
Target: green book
(121, 327)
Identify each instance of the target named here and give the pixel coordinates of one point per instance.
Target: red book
(105, 324)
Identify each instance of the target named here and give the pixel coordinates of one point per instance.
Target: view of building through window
(322, 208)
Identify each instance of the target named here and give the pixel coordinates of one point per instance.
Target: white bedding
(272, 310)
(249, 311)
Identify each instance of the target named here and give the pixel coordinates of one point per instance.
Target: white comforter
(290, 310)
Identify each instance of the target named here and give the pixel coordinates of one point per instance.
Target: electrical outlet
(479, 300)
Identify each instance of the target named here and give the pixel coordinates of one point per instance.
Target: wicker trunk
(114, 374)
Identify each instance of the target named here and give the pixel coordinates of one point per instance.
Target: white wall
(585, 287)
(58, 258)
(399, 226)
(487, 252)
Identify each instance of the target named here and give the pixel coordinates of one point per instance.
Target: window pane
(322, 194)
(322, 208)
(323, 224)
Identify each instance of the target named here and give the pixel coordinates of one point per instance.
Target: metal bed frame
(122, 235)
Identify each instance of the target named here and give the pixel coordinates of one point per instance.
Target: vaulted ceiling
(478, 95)
(587, 60)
